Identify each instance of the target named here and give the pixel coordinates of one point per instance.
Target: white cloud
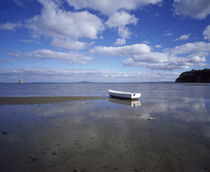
(158, 46)
(200, 48)
(197, 9)
(70, 57)
(63, 27)
(174, 63)
(183, 37)
(55, 22)
(167, 66)
(206, 33)
(152, 57)
(193, 54)
(124, 32)
(120, 41)
(69, 27)
(68, 44)
(139, 53)
(109, 7)
(134, 49)
(10, 26)
(121, 18)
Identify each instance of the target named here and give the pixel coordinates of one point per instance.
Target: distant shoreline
(86, 82)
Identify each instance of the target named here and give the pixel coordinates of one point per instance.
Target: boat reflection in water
(132, 103)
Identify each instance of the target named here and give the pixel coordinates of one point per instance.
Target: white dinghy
(124, 95)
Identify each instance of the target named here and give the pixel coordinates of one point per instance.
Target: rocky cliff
(195, 76)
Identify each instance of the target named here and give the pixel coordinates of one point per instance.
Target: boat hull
(124, 95)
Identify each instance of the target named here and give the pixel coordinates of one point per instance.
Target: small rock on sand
(75, 170)
(4, 132)
(151, 118)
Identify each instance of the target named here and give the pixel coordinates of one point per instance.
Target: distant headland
(195, 76)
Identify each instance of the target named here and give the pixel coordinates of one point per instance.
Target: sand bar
(41, 100)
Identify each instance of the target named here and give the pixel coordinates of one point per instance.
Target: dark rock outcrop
(195, 76)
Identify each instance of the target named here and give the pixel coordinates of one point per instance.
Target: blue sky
(106, 40)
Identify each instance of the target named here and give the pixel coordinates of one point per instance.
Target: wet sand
(40, 100)
(93, 134)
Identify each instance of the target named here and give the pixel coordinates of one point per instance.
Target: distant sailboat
(20, 81)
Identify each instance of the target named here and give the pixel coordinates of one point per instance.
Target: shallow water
(109, 134)
(148, 90)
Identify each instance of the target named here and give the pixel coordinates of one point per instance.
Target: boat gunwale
(121, 92)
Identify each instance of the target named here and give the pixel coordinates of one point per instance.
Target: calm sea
(148, 90)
